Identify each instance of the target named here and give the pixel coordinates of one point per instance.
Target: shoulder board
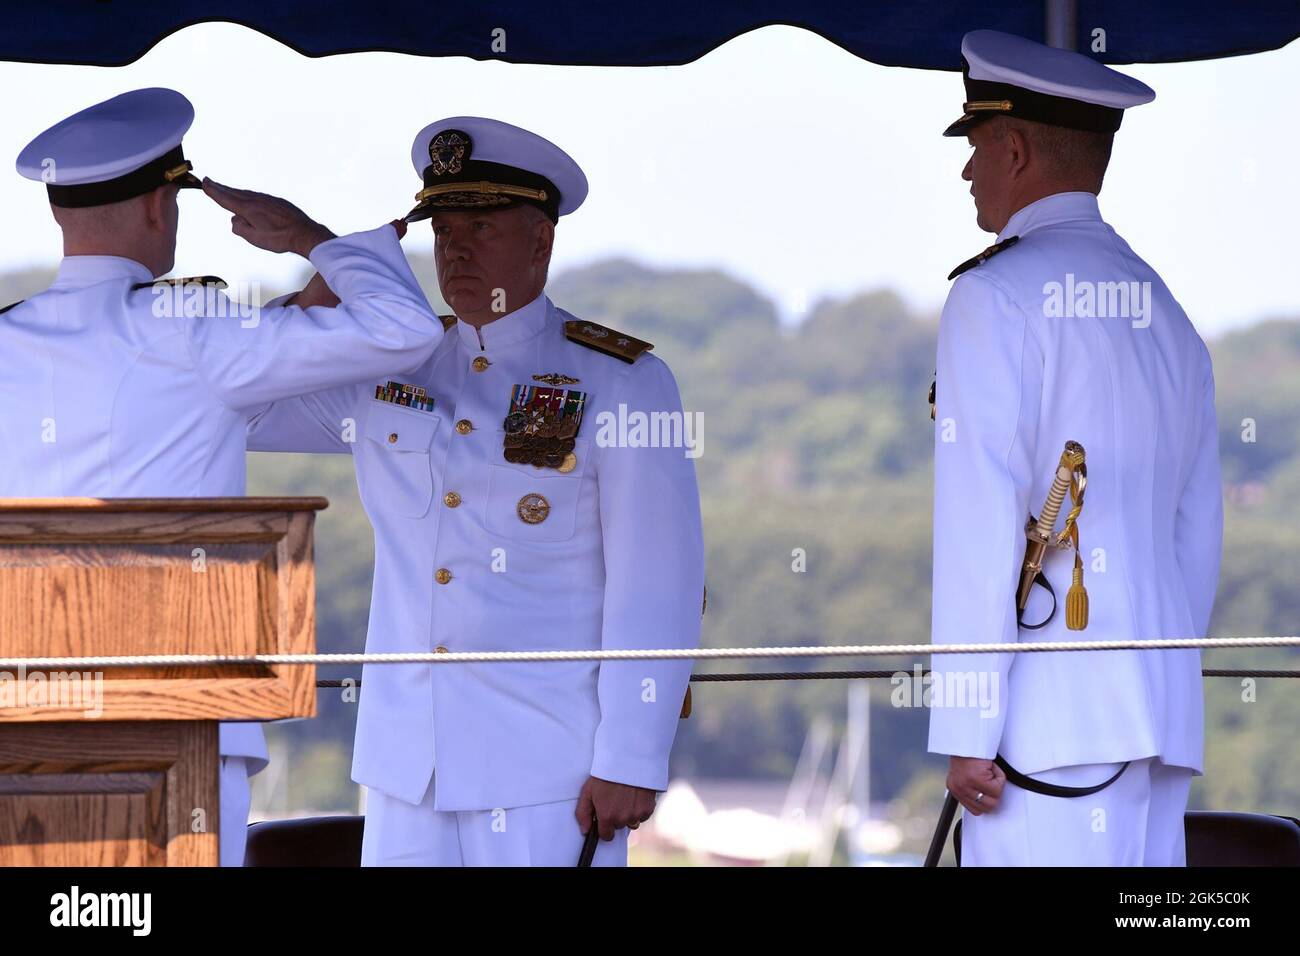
(447, 322)
(983, 257)
(217, 281)
(602, 339)
(11, 305)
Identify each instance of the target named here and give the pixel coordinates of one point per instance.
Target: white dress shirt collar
(87, 270)
(512, 328)
(1050, 210)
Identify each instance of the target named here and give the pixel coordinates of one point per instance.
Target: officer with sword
(1085, 758)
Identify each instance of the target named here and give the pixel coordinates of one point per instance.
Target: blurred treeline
(819, 438)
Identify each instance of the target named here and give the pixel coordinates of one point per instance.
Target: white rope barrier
(701, 653)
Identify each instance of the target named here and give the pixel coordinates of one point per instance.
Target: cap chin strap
(483, 186)
(984, 106)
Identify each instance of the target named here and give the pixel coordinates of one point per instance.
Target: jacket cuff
(965, 736)
(650, 773)
(376, 240)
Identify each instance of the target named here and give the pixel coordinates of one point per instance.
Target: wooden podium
(118, 766)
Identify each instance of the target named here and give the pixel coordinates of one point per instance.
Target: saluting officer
(117, 385)
(1060, 332)
(509, 515)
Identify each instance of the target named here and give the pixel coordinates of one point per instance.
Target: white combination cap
(469, 162)
(115, 150)
(1007, 75)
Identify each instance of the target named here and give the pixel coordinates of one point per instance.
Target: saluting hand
(614, 805)
(268, 222)
(969, 777)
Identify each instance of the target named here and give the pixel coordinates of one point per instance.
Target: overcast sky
(779, 158)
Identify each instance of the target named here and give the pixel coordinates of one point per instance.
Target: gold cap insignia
(448, 151)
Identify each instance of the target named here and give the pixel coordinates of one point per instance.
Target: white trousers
(236, 795)
(1136, 821)
(546, 834)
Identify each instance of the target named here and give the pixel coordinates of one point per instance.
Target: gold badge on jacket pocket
(533, 508)
(539, 505)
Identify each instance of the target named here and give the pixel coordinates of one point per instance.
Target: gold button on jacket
(442, 575)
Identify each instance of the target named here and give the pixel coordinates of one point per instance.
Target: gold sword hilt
(1063, 483)
(1071, 478)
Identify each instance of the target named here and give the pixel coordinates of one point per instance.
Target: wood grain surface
(99, 794)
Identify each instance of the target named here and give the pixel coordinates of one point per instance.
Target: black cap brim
(966, 123)
(419, 213)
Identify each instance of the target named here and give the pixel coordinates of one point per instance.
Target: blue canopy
(916, 33)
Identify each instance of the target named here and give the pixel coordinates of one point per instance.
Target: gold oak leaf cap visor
(1007, 75)
(113, 151)
(471, 162)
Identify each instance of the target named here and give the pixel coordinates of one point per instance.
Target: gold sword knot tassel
(1076, 599)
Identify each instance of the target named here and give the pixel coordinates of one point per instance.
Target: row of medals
(542, 427)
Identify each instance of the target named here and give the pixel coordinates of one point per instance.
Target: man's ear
(155, 207)
(154, 203)
(1017, 151)
(545, 239)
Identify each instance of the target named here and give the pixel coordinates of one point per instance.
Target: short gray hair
(534, 215)
(1073, 155)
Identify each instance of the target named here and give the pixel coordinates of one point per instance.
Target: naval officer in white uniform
(119, 386)
(512, 513)
(1031, 354)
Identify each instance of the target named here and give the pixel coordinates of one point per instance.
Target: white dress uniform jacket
(1014, 382)
(617, 563)
(107, 392)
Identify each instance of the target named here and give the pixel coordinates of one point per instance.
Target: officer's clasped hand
(977, 784)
